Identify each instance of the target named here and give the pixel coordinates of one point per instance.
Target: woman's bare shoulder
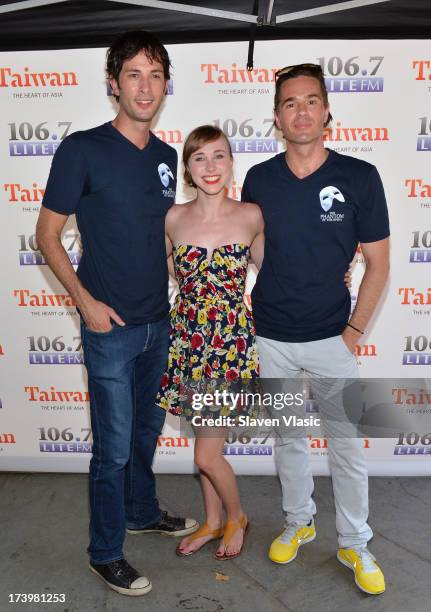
(252, 211)
(177, 212)
(179, 209)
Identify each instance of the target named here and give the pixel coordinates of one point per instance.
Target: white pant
(325, 361)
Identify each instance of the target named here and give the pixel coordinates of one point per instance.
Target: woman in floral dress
(212, 240)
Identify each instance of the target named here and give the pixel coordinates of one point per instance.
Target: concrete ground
(43, 527)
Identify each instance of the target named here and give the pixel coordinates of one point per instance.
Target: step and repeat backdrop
(380, 97)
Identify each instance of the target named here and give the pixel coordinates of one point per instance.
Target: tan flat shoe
(204, 530)
(230, 529)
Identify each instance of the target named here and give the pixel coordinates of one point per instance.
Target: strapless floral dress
(212, 336)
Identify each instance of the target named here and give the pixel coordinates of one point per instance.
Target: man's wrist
(82, 299)
(354, 335)
(355, 328)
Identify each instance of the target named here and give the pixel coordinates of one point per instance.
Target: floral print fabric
(212, 343)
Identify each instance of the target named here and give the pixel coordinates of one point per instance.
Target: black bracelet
(355, 328)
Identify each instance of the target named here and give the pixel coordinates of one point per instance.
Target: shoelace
(122, 568)
(289, 533)
(174, 520)
(367, 559)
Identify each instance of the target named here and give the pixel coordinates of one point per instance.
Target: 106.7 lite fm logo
(420, 250)
(352, 75)
(243, 444)
(30, 140)
(413, 443)
(54, 440)
(417, 351)
(54, 351)
(424, 135)
(247, 138)
(29, 254)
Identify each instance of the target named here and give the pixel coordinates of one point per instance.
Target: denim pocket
(101, 333)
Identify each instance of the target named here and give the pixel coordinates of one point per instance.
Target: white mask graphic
(165, 173)
(327, 196)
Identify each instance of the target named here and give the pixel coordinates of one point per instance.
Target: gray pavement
(43, 528)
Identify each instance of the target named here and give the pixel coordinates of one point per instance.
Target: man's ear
(276, 121)
(114, 86)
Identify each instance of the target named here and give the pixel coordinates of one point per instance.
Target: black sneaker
(122, 578)
(169, 525)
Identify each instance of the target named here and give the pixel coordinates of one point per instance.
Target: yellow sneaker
(368, 575)
(285, 548)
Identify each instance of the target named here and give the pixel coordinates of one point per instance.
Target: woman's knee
(206, 456)
(203, 461)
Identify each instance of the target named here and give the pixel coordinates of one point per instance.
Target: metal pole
(189, 8)
(19, 6)
(323, 10)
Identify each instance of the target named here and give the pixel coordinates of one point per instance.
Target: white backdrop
(380, 93)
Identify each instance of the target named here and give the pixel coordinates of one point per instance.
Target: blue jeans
(125, 367)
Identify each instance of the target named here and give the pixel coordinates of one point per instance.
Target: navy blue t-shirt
(312, 229)
(120, 195)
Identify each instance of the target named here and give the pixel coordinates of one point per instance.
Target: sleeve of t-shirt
(246, 192)
(176, 165)
(373, 213)
(66, 178)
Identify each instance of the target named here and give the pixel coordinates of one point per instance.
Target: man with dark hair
(119, 180)
(317, 205)
(127, 46)
(311, 70)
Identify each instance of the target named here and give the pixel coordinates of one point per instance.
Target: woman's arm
(257, 249)
(169, 222)
(258, 244)
(169, 245)
(170, 260)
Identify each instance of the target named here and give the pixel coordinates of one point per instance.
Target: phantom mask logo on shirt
(165, 174)
(327, 196)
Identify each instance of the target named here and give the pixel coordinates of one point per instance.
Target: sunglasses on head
(317, 68)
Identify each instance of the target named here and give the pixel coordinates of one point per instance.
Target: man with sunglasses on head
(119, 180)
(317, 205)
